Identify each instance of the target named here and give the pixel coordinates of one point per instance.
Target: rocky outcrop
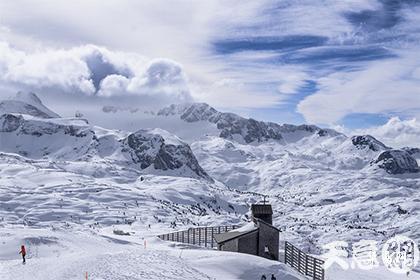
(18, 124)
(397, 162)
(369, 142)
(39, 138)
(147, 148)
(9, 122)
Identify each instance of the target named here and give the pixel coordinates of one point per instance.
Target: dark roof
(261, 209)
(226, 236)
(233, 234)
(267, 224)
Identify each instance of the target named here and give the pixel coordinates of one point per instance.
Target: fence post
(199, 236)
(299, 258)
(205, 236)
(285, 252)
(314, 269)
(212, 237)
(193, 235)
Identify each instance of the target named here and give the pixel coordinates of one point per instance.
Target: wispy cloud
(388, 86)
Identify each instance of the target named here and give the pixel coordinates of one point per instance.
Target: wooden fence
(305, 264)
(201, 236)
(204, 236)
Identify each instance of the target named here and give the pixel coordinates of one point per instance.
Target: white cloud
(45, 69)
(396, 133)
(94, 70)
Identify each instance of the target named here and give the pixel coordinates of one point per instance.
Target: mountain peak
(27, 103)
(27, 97)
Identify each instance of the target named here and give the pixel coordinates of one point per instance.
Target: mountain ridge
(232, 125)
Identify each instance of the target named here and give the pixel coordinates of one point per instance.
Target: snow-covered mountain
(234, 127)
(26, 103)
(239, 130)
(199, 166)
(73, 139)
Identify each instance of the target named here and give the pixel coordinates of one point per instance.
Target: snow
(169, 138)
(54, 253)
(379, 273)
(245, 228)
(69, 255)
(63, 195)
(322, 189)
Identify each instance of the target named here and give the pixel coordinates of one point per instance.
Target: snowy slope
(321, 188)
(103, 255)
(191, 165)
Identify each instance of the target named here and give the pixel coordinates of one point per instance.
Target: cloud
(396, 132)
(162, 77)
(388, 86)
(93, 70)
(45, 69)
(185, 32)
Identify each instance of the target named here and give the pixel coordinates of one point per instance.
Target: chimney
(263, 212)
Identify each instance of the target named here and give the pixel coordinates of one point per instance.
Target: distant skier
(273, 277)
(263, 277)
(23, 252)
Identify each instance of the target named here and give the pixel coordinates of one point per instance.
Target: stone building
(258, 237)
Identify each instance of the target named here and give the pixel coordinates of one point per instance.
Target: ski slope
(103, 255)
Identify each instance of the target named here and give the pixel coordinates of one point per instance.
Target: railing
(204, 236)
(305, 264)
(201, 236)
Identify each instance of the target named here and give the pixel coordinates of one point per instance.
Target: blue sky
(350, 64)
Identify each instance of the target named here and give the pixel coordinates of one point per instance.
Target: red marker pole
(145, 244)
(86, 275)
